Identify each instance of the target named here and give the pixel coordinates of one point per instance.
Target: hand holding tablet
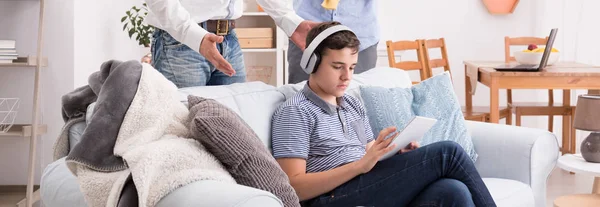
(413, 131)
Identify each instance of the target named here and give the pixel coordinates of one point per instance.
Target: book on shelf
(8, 51)
(8, 44)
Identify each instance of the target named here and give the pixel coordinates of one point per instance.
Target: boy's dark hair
(336, 41)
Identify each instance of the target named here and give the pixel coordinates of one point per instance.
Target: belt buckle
(222, 33)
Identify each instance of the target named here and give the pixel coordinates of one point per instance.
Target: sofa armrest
(524, 154)
(215, 193)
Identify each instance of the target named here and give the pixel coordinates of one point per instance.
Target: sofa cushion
(435, 98)
(379, 76)
(387, 107)
(234, 143)
(432, 98)
(254, 102)
(511, 193)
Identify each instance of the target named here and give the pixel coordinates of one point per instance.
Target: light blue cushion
(433, 98)
(387, 107)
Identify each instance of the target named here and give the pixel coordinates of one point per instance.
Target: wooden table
(562, 75)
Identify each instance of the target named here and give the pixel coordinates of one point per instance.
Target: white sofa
(514, 161)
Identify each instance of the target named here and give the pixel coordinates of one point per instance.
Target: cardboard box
(255, 37)
(244, 33)
(256, 43)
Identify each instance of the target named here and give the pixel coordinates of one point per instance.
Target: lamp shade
(587, 114)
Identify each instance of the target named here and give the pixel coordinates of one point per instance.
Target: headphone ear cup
(317, 62)
(311, 63)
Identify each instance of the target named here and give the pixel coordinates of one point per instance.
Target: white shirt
(180, 18)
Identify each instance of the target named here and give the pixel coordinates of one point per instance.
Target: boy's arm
(310, 185)
(291, 131)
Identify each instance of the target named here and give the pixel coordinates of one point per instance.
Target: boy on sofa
(322, 139)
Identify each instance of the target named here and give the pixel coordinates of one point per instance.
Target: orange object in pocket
(260, 9)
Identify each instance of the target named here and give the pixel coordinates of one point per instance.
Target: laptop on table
(532, 67)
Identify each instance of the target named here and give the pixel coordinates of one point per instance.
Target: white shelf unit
(261, 57)
(22, 196)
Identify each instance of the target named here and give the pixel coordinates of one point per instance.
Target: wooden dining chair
(408, 65)
(476, 113)
(549, 108)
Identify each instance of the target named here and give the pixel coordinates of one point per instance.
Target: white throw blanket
(154, 142)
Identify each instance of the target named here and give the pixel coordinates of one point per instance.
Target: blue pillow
(379, 102)
(433, 98)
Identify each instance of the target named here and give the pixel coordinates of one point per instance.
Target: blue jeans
(186, 67)
(439, 174)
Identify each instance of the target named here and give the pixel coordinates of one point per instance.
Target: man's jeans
(186, 67)
(439, 174)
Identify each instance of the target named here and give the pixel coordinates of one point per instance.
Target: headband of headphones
(309, 58)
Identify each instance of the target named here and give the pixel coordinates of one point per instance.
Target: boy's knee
(457, 190)
(452, 145)
(458, 187)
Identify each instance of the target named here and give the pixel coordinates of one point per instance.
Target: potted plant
(133, 24)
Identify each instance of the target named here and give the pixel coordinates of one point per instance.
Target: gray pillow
(234, 143)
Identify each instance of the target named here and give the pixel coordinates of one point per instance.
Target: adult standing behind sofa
(195, 43)
(358, 15)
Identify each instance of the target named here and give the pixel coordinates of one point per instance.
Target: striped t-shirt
(325, 135)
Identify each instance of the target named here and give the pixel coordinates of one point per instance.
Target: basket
(8, 113)
(259, 73)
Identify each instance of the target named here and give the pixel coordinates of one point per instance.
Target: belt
(219, 27)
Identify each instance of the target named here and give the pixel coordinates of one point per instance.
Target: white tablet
(413, 131)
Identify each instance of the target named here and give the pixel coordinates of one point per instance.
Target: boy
(322, 139)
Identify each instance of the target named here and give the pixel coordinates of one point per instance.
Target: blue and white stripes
(307, 127)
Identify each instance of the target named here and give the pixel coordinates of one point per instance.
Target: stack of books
(8, 51)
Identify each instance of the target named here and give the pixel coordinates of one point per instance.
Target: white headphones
(309, 59)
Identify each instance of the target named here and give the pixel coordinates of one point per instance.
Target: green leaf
(128, 13)
(123, 19)
(124, 26)
(137, 10)
(131, 31)
(139, 22)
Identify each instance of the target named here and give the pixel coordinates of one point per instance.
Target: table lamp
(587, 118)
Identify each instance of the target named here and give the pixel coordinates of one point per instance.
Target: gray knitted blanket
(113, 89)
(138, 130)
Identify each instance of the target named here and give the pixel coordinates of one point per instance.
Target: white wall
(58, 77)
(99, 36)
(81, 35)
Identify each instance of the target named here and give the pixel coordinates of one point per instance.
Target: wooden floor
(11, 195)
